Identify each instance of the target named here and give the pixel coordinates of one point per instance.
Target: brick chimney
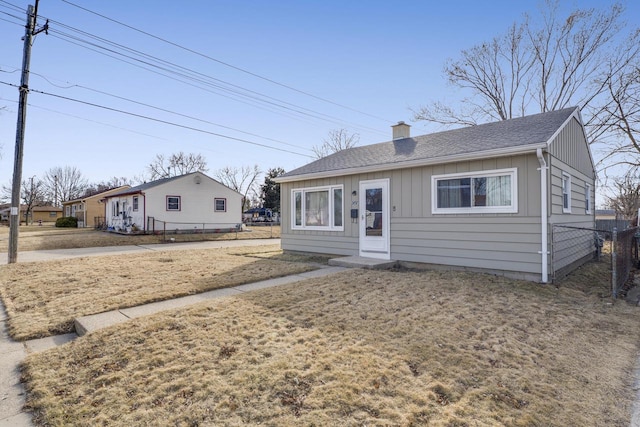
(401, 130)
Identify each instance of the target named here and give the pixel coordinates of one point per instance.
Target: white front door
(374, 219)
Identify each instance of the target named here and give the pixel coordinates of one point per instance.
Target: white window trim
(330, 189)
(179, 208)
(566, 209)
(587, 191)
(513, 172)
(215, 204)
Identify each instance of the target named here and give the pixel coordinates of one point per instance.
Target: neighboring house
(38, 213)
(44, 214)
(90, 210)
(483, 197)
(258, 215)
(187, 202)
(608, 214)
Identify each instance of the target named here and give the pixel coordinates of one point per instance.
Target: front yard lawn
(44, 298)
(358, 348)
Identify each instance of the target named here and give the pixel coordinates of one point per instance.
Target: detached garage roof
(508, 137)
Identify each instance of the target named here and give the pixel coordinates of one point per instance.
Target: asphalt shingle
(529, 130)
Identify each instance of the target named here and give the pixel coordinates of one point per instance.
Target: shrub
(67, 221)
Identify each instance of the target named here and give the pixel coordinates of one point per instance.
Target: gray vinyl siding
(569, 153)
(505, 242)
(570, 147)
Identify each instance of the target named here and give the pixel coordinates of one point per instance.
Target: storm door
(374, 218)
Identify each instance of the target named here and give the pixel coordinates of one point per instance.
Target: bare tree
(626, 202)
(541, 66)
(101, 186)
(243, 180)
(32, 193)
(64, 183)
(176, 164)
(337, 140)
(621, 118)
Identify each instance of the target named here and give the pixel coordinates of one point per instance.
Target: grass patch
(33, 238)
(357, 348)
(44, 298)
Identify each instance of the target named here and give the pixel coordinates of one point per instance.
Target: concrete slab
(269, 283)
(57, 254)
(41, 344)
(94, 322)
(7, 345)
(19, 420)
(11, 390)
(322, 272)
(156, 307)
(361, 262)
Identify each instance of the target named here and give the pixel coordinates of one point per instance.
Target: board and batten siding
(504, 242)
(569, 154)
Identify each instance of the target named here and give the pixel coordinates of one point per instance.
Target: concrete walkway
(12, 353)
(54, 254)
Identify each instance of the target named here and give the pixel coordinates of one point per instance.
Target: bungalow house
(45, 214)
(187, 202)
(482, 198)
(36, 214)
(89, 210)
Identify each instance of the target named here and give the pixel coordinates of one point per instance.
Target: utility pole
(14, 219)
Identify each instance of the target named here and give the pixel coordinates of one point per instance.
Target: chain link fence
(573, 246)
(168, 229)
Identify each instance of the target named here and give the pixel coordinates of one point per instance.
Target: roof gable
(98, 196)
(481, 141)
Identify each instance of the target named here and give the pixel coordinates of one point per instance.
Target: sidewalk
(54, 254)
(12, 393)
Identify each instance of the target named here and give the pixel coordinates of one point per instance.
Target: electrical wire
(231, 91)
(225, 63)
(190, 74)
(39, 107)
(70, 85)
(141, 116)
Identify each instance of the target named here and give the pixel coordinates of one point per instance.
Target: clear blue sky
(375, 57)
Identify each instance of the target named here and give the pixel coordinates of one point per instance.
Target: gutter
(544, 217)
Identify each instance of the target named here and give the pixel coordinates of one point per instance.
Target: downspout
(145, 220)
(544, 217)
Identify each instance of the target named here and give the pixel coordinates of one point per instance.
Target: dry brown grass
(359, 348)
(44, 298)
(34, 238)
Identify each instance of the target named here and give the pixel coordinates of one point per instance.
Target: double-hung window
(566, 192)
(135, 203)
(493, 191)
(587, 199)
(318, 208)
(220, 205)
(173, 203)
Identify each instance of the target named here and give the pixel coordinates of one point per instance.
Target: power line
(225, 63)
(159, 120)
(167, 111)
(233, 91)
(39, 107)
(191, 74)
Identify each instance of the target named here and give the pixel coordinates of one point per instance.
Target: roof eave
(500, 152)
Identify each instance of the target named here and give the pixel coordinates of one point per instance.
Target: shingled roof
(140, 188)
(481, 141)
